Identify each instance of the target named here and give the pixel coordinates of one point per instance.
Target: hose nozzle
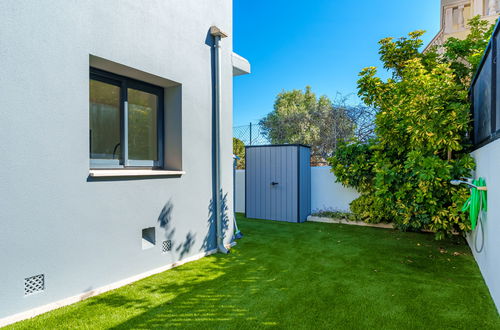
(470, 184)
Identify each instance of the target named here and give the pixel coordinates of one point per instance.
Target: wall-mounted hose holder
(475, 205)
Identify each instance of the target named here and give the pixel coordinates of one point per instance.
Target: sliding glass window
(126, 122)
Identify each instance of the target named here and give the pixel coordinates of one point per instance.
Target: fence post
(250, 133)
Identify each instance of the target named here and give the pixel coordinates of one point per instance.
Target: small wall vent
(148, 238)
(166, 246)
(34, 284)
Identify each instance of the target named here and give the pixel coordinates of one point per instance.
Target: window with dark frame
(482, 102)
(126, 122)
(485, 95)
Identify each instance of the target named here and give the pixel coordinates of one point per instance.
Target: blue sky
(321, 43)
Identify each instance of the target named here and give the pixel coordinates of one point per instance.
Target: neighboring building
(456, 13)
(109, 144)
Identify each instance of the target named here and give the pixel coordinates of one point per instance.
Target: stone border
(313, 218)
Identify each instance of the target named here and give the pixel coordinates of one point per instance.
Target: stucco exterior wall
(81, 233)
(487, 161)
(327, 194)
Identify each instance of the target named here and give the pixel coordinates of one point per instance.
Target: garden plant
(422, 135)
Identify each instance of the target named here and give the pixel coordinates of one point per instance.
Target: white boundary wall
(239, 192)
(326, 194)
(488, 166)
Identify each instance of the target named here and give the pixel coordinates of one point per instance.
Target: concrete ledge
(346, 222)
(82, 296)
(125, 173)
(241, 65)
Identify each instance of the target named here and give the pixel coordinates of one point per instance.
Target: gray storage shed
(278, 182)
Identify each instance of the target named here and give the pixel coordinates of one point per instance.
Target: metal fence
(251, 134)
(254, 134)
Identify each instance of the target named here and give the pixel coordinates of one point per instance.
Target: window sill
(131, 173)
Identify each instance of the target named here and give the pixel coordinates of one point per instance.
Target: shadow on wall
(165, 218)
(184, 248)
(210, 241)
(165, 221)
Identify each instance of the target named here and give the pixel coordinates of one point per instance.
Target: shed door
(272, 183)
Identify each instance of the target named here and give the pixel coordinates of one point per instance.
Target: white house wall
(488, 167)
(80, 233)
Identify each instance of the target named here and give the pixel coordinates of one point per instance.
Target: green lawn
(308, 276)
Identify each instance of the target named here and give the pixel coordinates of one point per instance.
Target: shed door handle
(274, 183)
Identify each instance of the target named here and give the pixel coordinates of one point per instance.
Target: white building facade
(109, 119)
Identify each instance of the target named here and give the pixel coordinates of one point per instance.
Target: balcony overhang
(241, 65)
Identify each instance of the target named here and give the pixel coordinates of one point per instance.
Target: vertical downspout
(218, 35)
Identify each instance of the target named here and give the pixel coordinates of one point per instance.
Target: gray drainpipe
(218, 35)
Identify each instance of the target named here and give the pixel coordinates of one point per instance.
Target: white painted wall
(326, 194)
(83, 233)
(239, 194)
(488, 166)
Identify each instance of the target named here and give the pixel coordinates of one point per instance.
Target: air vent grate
(166, 246)
(34, 284)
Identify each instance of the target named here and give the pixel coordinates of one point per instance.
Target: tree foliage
(301, 117)
(239, 150)
(421, 131)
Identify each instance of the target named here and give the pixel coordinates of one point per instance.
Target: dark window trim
(493, 117)
(485, 142)
(124, 83)
(475, 114)
(494, 130)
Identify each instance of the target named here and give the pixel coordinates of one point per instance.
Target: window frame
(489, 54)
(124, 83)
(494, 133)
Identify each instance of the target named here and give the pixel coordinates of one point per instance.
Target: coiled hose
(477, 203)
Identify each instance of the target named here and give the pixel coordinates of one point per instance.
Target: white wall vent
(166, 246)
(34, 284)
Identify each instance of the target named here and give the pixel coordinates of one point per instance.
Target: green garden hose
(477, 203)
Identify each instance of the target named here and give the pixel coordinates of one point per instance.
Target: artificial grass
(310, 275)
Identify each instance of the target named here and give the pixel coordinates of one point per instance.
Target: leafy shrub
(353, 163)
(334, 214)
(421, 132)
(239, 150)
(368, 208)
